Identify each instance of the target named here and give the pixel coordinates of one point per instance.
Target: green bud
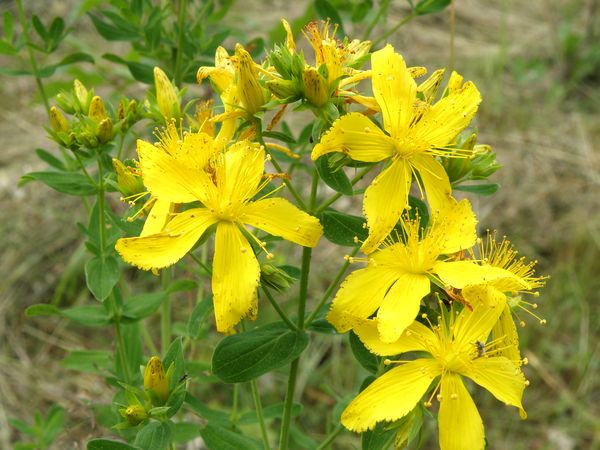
(275, 278)
(283, 89)
(65, 101)
(82, 96)
(316, 90)
(104, 132)
(128, 182)
(135, 414)
(250, 91)
(155, 380)
(57, 120)
(97, 112)
(166, 95)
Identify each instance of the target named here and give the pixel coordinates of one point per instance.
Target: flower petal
(166, 248)
(435, 182)
(441, 123)
(394, 89)
(239, 172)
(235, 277)
(457, 223)
(279, 217)
(360, 294)
(196, 150)
(460, 425)
(501, 377)
(384, 201)
(473, 325)
(401, 305)
(505, 336)
(459, 274)
(417, 337)
(356, 136)
(157, 217)
(391, 396)
(170, 180)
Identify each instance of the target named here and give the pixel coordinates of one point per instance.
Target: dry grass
(548, 205)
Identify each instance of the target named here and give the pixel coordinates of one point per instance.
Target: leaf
(67, 60)
(94, 361)
(341, 228)
(269, 412)
(326, 10)
(140, 71)
(110, 32)
(283, 137)
(90, 315)
(155, 436)
(101, 275)
(71, 183)
(142, 305)
(322, 326)
(378, 439)
(6, 48)
(50, 159)
(53, 424)
(39, 28)
(109, 444)
(366, 359)
(337, 180)
(360, 10)
(212, 415)
(430, 6)
(8, 25)
(182, 285)
(175, 356)
(479, 189)
(220, 438)
(185, 431)
(199, 314)
(246, 356)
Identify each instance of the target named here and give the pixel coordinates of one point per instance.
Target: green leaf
(182, 285)
(53, 424)
(142, 305)
(111, 32)
(430, 6)
(322, 326)
(175, 356)
(101, 275)
(220, 438)
(269, 413)
(326, 10)
(50, 159)
(246, 356)
(212, 415)
(93, 361)
(199, 314)
(479, 189)
(6, 48)
(283, 137)
(185, 431)
(341, 228)
(39, 28)
(73, 58)
(8, 25)
(337, 180)
(155, 436)
(91, 315)
(109, 444)
(42, 309)
(378, 439)
(140, 71)
(72, 183)
(366, 359)
(360, 10)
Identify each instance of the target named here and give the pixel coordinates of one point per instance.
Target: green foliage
(44, 431)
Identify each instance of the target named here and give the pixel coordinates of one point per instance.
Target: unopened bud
(283, 88)
(57, 120)
(275, 278)
(128, 182)
(155, 380)
(135, 414)
(249, 89)
(166, 95)
(315, 87)
(104, 132)
(97, 112)
(81, 95)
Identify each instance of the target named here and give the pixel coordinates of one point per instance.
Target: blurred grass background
(537, 65)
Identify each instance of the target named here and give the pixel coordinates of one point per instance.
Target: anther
(525, 361)
(454, 396)
(270, 256)
(243, 249)
(543, 322)
(526, 382)
(387, 362)
(439, 397)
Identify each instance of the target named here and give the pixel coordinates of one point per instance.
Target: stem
(165, 312)
(148, 340)
(277, 308)
(330, 289)
(121, 349)
(120, 149)
(330, 438)
(85, 172)
(180, 36)
(34, 67)
(202, 265)
(234, 407)
(291, 387)
(452, 30)
(382, 10)
(359, 176)
(259, 414)
(392, 30)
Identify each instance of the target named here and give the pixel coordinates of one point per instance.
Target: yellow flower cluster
(199, 181)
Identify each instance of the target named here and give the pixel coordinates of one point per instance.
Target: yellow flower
(155, 380)
(454, 349)
(415, 133)
(398, 277)
(227, 195)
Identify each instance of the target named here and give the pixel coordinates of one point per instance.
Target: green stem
(259, 414)
(392, 30)
(234, 407)
(101, 205)
(330, 289)
(148, 340)
(34, 67)
(165, 312)
(201, 263)
(359, 176)
(382, 10)
(291, 387)
(121, 349)
(181, 33)
(330, 438)
(84, 170)
(452, 30)
(120, 149)
(277, 308)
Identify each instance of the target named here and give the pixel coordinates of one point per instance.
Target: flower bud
(127, 181)
(250, 91)
(155, 380)
(104, 132)
(316, 90)
(275, 278)
(283, 89)
(81, 95)
(65, 101)
(97, 112)
(135, 414)
(57, 120)
(166, 95)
